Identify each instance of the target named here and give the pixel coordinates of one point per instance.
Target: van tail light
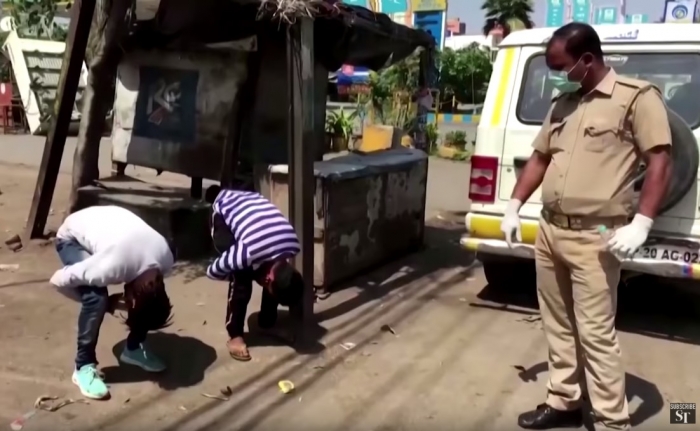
(482, 182)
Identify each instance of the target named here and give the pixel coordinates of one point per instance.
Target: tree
(388, 85)
(110, 26)
(464, 75)
(34, 19)
(511, 15)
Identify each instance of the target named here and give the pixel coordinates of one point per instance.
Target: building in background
(429, 15)
(601, 12)
(455, 27)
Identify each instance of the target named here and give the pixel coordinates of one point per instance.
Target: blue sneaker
(90, 382)
(143, 359)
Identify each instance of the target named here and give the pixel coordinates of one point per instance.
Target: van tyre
(685, 158)
(504, 272)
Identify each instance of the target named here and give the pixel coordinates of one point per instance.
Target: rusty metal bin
(369, 209)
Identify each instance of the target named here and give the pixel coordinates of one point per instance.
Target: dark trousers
(240, 289)
(95, 303)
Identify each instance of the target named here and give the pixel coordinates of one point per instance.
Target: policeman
(586, 155)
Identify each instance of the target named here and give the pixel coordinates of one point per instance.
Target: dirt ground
(462, 356)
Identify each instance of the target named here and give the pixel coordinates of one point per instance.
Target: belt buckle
(561, 220)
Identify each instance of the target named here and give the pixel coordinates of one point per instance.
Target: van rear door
(675, 69)
(529, 104)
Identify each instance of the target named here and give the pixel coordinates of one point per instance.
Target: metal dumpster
(369, 209)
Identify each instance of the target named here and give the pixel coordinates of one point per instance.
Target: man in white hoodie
(108, 245)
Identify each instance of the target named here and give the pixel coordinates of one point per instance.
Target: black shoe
(546, 417)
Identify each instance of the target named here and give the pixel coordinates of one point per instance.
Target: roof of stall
(343, 34)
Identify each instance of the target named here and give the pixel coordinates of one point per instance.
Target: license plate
(669, 253)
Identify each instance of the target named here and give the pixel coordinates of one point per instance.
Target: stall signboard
(363, 3)
(581, 11)
(606, 15)
(555, 13)
(637, 18)
(393, 6)
(428, 5)
(432, 22)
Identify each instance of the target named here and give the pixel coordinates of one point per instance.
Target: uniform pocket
(602, 135)
(556, 142)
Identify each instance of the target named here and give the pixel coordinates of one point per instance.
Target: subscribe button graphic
(682, 413)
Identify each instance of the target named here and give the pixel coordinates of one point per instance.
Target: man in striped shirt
(256, 243)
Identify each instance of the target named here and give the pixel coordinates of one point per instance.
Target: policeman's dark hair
(580, 38)
(211, 193)
(288, 284)
(151, 308)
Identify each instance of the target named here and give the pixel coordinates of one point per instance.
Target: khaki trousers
(577, 290)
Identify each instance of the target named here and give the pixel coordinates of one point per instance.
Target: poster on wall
(166, 104)
(393, 6)
(555, 13)
(605, 15)
(681, 11)
(428, 5)
(581, 11)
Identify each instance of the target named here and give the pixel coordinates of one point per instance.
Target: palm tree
(511, 15)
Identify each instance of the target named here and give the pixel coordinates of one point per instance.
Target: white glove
(627, 239)
(510, 225)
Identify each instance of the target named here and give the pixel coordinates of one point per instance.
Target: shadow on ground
(187, 359)
(647, 305)
(305, 343)
(652, 402)
(442, 251)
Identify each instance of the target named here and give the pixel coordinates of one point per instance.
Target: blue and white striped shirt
(261, 233)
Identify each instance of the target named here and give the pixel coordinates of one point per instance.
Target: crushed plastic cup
(286, 386)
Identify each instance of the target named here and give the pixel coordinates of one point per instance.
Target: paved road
(464, 356)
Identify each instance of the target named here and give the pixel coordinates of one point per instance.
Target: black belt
(564, 221)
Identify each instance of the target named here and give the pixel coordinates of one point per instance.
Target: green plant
(456, 139)
(511, 15)
(431, 135)
(340, 124)
(464, 76)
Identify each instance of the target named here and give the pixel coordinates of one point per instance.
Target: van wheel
(510, 273)
(685, 159)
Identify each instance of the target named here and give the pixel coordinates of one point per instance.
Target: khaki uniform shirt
(596, 142)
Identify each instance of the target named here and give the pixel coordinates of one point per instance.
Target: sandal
(238, 352)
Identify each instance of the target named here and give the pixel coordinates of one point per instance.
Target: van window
(676, 74)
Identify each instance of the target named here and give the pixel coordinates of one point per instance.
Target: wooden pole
(300, 64)
(73, 58)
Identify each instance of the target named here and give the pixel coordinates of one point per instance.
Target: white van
(518, 98)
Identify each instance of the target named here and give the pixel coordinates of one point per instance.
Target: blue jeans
(95, 303)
